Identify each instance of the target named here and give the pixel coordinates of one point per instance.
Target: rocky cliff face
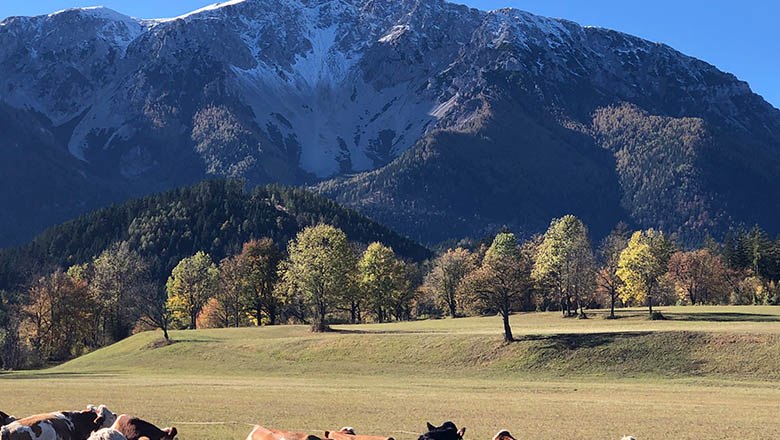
(413, 111)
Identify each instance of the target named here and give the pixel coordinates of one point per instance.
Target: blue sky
(739, 37)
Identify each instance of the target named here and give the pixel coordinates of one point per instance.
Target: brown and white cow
(134, 428)
(348, 433)
(263, 433)
(69, 425)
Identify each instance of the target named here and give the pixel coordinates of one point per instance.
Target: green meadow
(704, 373)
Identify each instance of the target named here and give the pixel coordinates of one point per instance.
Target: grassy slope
(706, 373)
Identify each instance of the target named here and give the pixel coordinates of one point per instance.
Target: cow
(447, 431)
(133, 428)
(348, 433)
(263, 433)
(503, 435)
(6, 419)
(69, 425)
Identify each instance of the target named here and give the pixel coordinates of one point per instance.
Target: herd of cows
(99, 423)
(93, 423)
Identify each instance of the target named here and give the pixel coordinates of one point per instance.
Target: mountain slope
(413, 111)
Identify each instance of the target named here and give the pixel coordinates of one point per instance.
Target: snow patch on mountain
(209, 8)
(395, 33)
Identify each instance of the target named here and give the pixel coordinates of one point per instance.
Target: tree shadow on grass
(28, 375)
(573, 341)
(723, 317)
(343, 331)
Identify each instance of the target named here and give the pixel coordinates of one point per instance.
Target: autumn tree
(607, 280)
(213, 314)
(410, 280)
(642, 264)
(190, 285)
(259, 263)
(57, 316)
(498, 284)
(10, 345)
(698, 275)
(448, 271)
(381, 279)
(119, 281)
(154, 310)
(231, 289)
(565, 263)
(320, 268)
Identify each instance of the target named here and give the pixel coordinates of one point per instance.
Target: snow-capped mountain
(421, 107)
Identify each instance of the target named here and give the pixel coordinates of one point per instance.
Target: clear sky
(741, 37)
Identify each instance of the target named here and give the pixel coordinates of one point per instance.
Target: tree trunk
(193, 319)
(582, 310)
(613, 294)
(272, 313)
(320, 325)
(165, 333)
(507, 328)
(650, 303)
(353, 312)
(453, 306)
(259, 315)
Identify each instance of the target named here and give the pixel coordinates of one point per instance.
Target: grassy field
(705, 373)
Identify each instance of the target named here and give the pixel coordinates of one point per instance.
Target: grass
(706, 372)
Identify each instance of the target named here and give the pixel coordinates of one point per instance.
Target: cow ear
(171, 432)
(462, 432)
(430, 427)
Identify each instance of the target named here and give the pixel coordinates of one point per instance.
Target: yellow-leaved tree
(642, 263)
(191, 284)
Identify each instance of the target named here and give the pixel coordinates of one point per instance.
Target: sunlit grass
(704, 373)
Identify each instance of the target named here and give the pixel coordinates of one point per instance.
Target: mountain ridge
(313, 92)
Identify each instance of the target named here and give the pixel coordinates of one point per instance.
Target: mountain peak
(99, 12)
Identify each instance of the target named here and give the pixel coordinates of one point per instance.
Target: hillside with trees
(216, 217)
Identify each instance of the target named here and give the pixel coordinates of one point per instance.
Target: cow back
(52, 426)
(341, 435)
(262, 433)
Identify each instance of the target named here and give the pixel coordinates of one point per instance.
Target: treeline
(321, 277)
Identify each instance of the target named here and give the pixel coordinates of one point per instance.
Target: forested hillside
(214, 216)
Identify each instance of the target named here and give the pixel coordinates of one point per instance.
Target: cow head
(85, 423)
(105, 418)
(347, 430)
(503, 435)
(447, 431)
(6, 419)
